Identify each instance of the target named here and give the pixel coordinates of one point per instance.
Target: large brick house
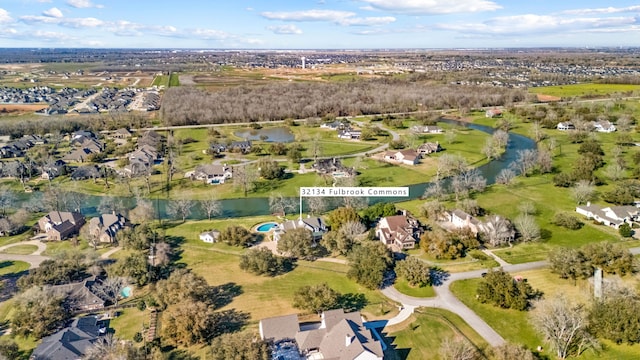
(60, 225)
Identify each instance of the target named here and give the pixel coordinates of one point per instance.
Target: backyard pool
(125, 292)
(266, 227)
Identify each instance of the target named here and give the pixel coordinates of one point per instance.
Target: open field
(20, 250)
(584, 90)
(20, 108)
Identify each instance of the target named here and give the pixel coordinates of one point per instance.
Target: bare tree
(7, 200)
(352, 229)
(163, 252)
(109, 204)
(564, 326)
(526, 161)
(490, 149)
(527, 227)
(180, 208)
(279, 204)
(497, 231)
(545, 161)
(536, 132)
(500, 138)
(317, 205)
(583, 191)
(316, 147)
(450, 136)
(433, 209)
(109, 288)
(528, 208)
(212, 206)
(244, 178)
(143, 212)
(505, 176)
(624, 123)
(614, 171)
(436, 190)
(458, 349)
(466, 182)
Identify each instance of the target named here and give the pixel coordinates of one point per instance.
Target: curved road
(34, 259)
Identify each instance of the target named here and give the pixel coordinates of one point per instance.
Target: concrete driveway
(34, 259)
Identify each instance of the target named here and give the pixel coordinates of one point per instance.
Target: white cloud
(289, 29)
(345, 18)
(83, 4)
(66, 22)
(53, 12)
(531, 24)
(433, 6)
(308, 15)
(209, 34)
(5, 18)
(607, 10)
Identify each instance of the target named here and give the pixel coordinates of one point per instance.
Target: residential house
(407, 156)
(492, 113)
(79, 155)
(86, 172)
(335, 125)
(429, 148)
(613, 216)
(72, 342)
(210, 236)
(106, 226)
(81, 295)
(565, 125)
(94, 145)
(426, 129)
(333, 167)
(604, 126)
(350, 134)
(211, 173)
(59, 225)
(340, 336)
(151, 138)
(460, 219)
(399, 231)
(314, 224)
(122, 133)
(240, 146)
(54, 169)
(217, 148)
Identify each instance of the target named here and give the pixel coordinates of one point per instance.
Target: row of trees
(278, 101)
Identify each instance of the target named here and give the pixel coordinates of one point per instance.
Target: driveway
(34, 259)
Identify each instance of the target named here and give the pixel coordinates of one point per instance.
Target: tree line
(278, 101)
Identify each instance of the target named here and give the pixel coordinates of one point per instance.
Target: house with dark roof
(315, 225)
(106, 226)
(81, 295)
(54, 169)
(240, 146)
(72, 342)
(333, 167)
(350, 134)
(79, 155)
(339, 336)
(429, 148)
(399, 231)
(59, 225)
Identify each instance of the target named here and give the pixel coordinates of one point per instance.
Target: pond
(271, 134)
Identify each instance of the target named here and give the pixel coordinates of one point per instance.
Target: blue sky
(318, 24)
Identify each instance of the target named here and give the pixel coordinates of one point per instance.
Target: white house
(313, 224)
(604, 126)
(407, 157)
(210, 236)
(613, 216)
(565, 125)
(350, 134)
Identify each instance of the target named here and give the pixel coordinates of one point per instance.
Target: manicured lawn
(161, 80)
(12, 267)
(263, 296)
(422, 335)
(415, 291)
(587, 89)
(129, 322)
(20, 250)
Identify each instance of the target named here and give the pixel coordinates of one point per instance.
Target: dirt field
(21, 108)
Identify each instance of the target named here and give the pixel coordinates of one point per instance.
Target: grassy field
(415, 291)
(174, 80)
(422, 335)
(263, 296)
(9, 267)
(584, 90)
(514, 325)
(20, 250)
(161, 80)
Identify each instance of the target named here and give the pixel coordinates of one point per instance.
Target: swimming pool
(266, 227)
(125, 292)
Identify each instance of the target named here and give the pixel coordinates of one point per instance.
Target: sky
(318, 24)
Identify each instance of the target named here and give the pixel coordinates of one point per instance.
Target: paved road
(34, 259)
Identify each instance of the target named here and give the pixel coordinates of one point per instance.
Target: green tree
(236, 235)
(270, 170)
(374, 212)
(612, 258)
(298, 243)
(262, 261)
(9, 349)
(368, 263)
(625, 230)
(341, 216)
(569, 264)
(181, 285)
(415, 271)
(501, 289)
(316, 298)
(134, 266)
(567, 220)
(39, 312)
(617, 318)
(294, 154)
(242, 346)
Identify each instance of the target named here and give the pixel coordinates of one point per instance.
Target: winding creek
(260, 206)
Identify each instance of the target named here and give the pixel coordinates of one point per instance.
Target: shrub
(567, 220)
(625, 230)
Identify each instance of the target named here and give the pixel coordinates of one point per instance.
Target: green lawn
(20, 250)
(415, 291)
(174, 80)
(421, 337)
(587, 89)
(129, 322)
(12, 267)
